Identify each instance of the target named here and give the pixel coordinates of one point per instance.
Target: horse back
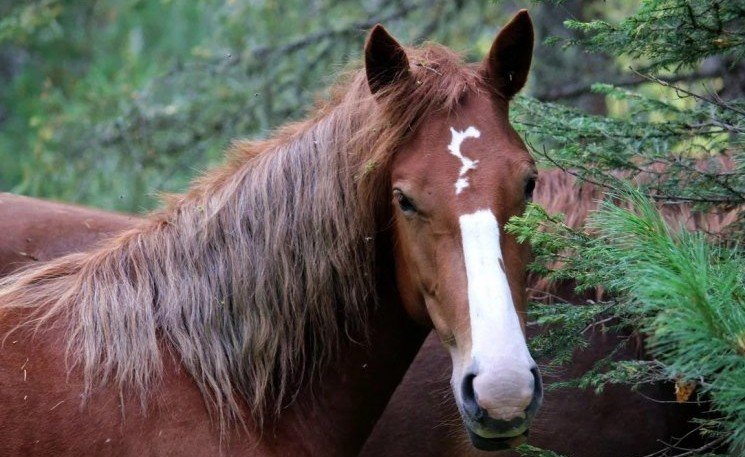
(36, 230)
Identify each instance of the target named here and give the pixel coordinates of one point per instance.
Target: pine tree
(674, 145)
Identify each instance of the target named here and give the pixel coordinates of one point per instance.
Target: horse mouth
(496, 444)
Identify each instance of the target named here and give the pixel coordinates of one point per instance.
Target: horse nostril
(535, 402)
(470, 404)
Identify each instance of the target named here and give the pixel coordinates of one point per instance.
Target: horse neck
(337, 416)
(255, 279)
(353, 390)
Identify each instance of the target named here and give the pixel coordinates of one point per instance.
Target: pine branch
(669, 83)
(262, 52)
(575, 90)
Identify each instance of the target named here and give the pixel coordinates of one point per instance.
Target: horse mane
(257, 275)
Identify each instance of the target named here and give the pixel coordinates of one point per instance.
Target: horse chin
(496, 444)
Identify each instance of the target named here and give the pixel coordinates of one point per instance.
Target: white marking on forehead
(496, 334)
(466, 163)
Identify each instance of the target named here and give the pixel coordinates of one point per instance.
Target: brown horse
(575, 422)
(38, 230)
(270, 309)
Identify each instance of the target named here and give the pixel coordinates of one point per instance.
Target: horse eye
(403, 202)
(529, 188)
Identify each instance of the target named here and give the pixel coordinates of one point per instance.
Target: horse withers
(269, 309)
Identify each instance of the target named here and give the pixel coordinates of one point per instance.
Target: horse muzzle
(490, 433)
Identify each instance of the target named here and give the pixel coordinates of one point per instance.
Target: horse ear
(385, 59)
(507, 65)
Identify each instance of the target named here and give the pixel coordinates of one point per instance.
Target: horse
(273, 308)
(617, 422)
(575, 422)
(36, 230)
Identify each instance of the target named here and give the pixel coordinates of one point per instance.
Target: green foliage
(564, 327)
(555, 246)
(531, 451)
(670, 34)
(39, 18)
(71, 66)
(689, 297)
(684, 293)
(682, 147)
(112, 103)
(676, 146)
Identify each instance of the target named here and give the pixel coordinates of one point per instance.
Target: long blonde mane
(254, 277)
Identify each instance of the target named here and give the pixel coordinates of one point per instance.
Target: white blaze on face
(498, 345)
(466, 163)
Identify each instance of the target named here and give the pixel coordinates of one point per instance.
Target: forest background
(109, 103)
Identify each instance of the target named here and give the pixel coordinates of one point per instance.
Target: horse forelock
(256, 274)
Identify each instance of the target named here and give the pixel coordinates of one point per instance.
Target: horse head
(455, 183)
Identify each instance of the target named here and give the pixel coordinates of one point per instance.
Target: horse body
(40, 409)
(271, 309)
(44, 412)
(49, 408)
